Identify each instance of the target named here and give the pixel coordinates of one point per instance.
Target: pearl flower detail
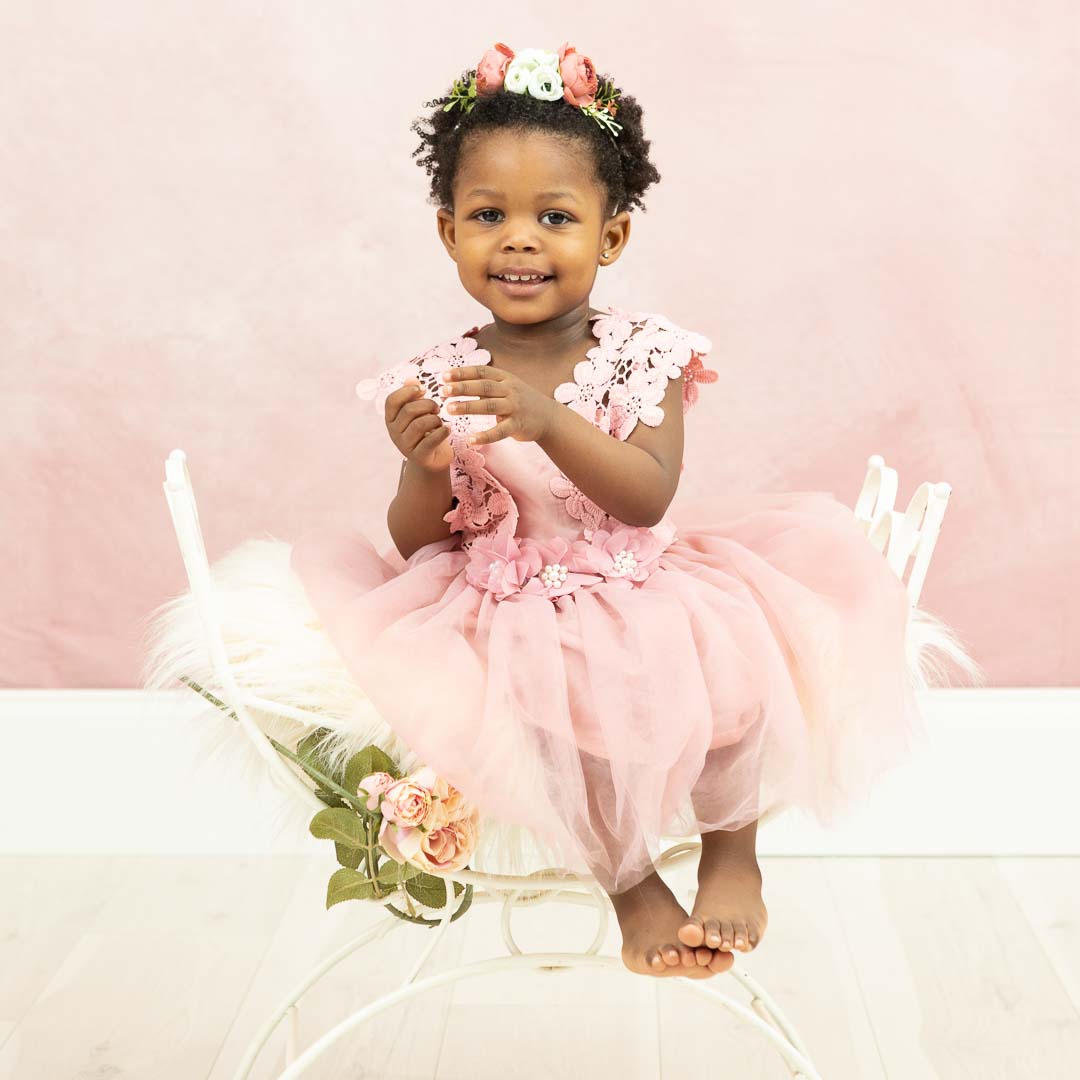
(553, 574)
(625, 563)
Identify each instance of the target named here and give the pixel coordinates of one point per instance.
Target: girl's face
(530, 200)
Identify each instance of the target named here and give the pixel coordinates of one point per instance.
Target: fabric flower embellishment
(501, 565)
(625, 553)
(695, 372)
(558, 574)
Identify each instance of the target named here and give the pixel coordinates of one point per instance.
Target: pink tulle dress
(609, 685)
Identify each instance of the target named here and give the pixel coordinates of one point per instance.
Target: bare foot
(649, 918)
(728, 910)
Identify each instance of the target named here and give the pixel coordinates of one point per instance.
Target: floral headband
(545, 75)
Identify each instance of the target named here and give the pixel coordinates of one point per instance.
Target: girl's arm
(415, 516)
(634, 479)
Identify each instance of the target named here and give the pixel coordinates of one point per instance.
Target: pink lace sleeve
(625, 376)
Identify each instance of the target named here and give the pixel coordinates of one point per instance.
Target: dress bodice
(510, 488)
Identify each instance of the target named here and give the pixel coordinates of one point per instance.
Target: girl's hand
(523, 412)
(416, 429)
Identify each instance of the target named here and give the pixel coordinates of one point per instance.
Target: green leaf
(428, 889)
(348, 856)
(367, 761)
(393, 873)
(346, 884)
(340, 825)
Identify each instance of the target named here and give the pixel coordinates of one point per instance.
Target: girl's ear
(444, 222)
(616, 235)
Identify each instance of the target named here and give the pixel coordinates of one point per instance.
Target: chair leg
(764, 1014)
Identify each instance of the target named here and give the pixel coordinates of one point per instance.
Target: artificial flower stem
(317, 774)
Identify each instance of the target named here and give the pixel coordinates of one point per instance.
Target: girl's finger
(484, 406)
(501, 430)
(472, 388)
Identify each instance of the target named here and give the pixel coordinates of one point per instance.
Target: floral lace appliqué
(484, 506)
(624, 380)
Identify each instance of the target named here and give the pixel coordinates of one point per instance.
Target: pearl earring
(605, 255)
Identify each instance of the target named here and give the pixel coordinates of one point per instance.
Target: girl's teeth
(510, 277)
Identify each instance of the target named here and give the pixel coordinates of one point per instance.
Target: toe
(672, 956)
(727, 936)
(692, 932)
(688, 956)
(740, 935)
(720, 962)
(712, 933)
(703, 956)
(654, 961)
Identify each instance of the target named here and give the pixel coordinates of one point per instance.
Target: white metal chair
(902, 537)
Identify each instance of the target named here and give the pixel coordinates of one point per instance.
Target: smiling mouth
(531, 281)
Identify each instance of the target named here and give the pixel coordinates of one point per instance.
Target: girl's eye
(557, 213)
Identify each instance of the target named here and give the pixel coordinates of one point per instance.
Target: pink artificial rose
(449, 848)
(442, 850)
(408, 802)
(491, 71)
(452, 801)
(578, 76)
(374, 785)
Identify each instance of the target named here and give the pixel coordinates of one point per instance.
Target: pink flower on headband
(578, 76)
(491, 71)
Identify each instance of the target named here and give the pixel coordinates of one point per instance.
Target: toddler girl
(570, 648)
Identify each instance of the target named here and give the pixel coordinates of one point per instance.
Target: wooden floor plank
(922, 968)
(400, 1044)
(151, 985)
(955, 981)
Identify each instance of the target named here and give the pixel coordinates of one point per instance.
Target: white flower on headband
(542, 74)
(537, 72)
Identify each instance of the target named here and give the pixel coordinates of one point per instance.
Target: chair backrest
(185, 517)
(901, 537)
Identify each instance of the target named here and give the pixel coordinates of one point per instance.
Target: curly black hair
(622, 161)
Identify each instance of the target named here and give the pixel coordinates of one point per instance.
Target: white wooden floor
(154, 968)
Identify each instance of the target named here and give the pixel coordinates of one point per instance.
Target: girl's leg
(649, 914)
(729, 912)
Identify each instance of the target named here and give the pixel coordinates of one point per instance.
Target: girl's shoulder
(425, 367)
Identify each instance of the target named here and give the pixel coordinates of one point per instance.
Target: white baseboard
(113, 771)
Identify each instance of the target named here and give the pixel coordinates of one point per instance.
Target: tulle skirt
(761, 665)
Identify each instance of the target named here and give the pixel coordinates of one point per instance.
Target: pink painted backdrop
(211, 227)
